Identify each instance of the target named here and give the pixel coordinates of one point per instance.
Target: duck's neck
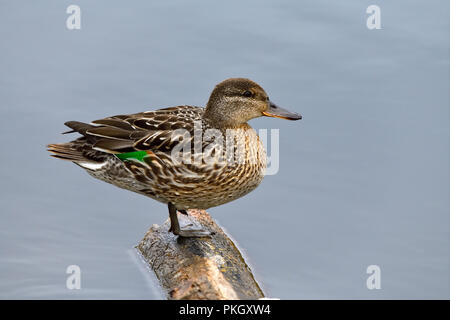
(222, 124)
(217, 117)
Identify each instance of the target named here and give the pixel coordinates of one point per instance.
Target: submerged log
(198, 268)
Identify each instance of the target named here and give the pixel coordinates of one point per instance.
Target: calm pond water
(363, 180)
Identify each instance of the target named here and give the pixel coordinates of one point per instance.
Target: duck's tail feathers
(66, 151)
(79, 127)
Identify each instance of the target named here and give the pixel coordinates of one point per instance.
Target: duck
(187, 157)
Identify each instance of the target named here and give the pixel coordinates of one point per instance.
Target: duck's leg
(175, 225)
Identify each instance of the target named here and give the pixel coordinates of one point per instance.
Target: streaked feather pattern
(187, 185)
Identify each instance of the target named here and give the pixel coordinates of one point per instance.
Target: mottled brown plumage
(159, 153)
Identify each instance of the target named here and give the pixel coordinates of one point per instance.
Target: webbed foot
(190, 228)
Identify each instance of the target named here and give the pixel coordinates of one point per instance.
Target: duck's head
(235, 101)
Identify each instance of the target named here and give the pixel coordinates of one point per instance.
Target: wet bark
(198, 268)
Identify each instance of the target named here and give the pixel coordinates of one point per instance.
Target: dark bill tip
(276, 112)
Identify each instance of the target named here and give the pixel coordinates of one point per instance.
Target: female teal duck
(187, 157)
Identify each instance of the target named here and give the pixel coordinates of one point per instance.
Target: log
(198, 268)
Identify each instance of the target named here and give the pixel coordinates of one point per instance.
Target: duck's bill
(277, 112)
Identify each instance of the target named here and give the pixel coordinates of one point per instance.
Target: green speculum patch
(137, 155)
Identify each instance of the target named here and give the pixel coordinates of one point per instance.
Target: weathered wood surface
(198, 268)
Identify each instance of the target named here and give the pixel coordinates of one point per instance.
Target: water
(364, 177)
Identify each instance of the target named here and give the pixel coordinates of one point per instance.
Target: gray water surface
(364, 177)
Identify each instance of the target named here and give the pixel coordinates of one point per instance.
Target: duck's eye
(247, 93)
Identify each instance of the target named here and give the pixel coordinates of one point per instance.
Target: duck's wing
(156, 131)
